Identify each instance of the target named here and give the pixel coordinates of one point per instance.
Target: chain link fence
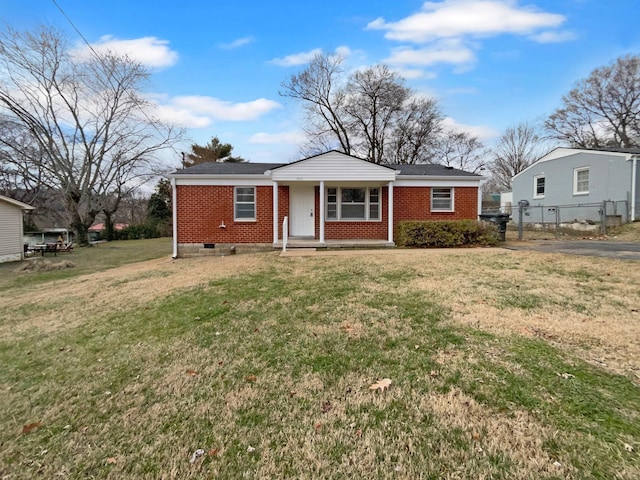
(579, 219)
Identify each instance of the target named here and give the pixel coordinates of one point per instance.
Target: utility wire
(101, 60)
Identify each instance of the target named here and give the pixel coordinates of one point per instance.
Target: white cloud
(553, 37)
(293, 138)
(457, 18)
(296, 59)
(303, 58)
(449, 51)
(240, 42)
(198, 111)
(481, 131)
(150, 51)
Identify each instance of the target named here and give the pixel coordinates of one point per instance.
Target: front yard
(503, 364)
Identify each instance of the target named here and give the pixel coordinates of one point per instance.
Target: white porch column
(390, 214)
(275, 212)
(321, 219)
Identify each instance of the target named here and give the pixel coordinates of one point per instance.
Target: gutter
(174, 208)
(634, 181)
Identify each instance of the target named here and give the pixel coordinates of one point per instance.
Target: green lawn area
(267, 369)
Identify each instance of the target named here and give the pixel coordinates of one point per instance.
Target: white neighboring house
(11, 241)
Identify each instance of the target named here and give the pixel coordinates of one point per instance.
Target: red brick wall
(201, 210)
(414, 203)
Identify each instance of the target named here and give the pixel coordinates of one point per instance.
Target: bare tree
(86, 116)
(603, 109)
(375, 101)
(461, 150)
(370, 113)
(319, 88)
(416, 133)
(517, 148)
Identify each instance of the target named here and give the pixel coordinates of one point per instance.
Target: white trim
(390, 213)
(535, 185)
(174, 208)
(575, 181)
(449, 210)
(244, 180)
(16, 203)
(437, 182)
(321, 219)
(235, 203)
(275, 212)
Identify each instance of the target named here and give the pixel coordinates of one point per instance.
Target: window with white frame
(245, 203)
(581, 181)
(347, 203)
(538, 186)
(442, 199)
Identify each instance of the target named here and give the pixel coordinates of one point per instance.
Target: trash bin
(498, 219)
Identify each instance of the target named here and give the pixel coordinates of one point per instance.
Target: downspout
(634, 181)
(174, 207)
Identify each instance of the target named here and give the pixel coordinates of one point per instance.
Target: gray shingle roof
(247, 168)
(432, 170)
(228, 168)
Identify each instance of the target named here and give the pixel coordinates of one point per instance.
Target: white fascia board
(219, 180)
(16, 203)
(431, 181)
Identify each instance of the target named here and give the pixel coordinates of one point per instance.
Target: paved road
(603, 248)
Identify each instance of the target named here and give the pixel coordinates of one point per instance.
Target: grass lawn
(95, 258)
(504, 365)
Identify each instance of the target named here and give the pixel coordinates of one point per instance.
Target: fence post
(557, 222)
(603, 218)
(520, 220)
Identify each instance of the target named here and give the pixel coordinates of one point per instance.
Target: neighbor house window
(245, 203)
(345, 203)
(581, 181)
(538, 186)
(442, 199)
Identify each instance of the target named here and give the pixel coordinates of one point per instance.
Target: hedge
(446, 233)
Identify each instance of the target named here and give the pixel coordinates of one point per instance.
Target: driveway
(592, 248)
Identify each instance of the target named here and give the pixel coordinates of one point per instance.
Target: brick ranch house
(328, 198)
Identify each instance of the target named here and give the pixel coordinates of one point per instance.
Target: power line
(101, 60)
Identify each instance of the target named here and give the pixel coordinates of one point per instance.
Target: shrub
(137, 232)
(445, 233)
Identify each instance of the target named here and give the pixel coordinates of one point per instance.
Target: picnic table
(45, 248)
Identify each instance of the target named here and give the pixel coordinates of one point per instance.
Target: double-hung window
(245, 204)
(538, 186)
(442, 199)
(346, 203)
(581, 181)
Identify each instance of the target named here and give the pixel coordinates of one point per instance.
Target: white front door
(301, 211)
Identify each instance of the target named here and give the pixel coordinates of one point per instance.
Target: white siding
(333, 166)
(10, 232)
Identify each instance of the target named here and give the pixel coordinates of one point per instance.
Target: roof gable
(333, 166)
(16, 203)
(565, 152)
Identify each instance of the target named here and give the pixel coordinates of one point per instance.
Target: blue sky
(218, 65)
